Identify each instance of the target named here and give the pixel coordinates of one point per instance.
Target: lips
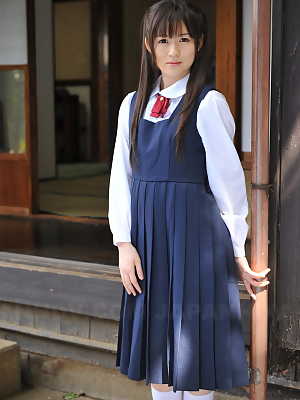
(174, 63)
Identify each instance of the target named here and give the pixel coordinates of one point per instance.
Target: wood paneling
(228, 56)
(285, 159)
(106, 89)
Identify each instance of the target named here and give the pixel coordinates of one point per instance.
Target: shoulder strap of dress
(132, 103)
(204, 91)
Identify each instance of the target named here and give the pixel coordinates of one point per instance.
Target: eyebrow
(182, 34)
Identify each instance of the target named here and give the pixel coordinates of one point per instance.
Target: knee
(162, 387)
(201, 392)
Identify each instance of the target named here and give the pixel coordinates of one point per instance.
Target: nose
(174, 49)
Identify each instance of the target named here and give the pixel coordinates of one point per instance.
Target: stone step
(10, 368)
(41, 393)
(95, 381)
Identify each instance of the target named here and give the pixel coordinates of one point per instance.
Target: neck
(167, 81)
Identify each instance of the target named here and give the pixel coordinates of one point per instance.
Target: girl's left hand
(250, 277)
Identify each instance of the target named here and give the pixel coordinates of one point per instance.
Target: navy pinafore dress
(184, 329)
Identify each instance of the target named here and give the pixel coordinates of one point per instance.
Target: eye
(162, 41)
(185, 39)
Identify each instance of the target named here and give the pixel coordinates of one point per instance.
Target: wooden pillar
(260, 185)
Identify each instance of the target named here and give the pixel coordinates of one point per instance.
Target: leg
(202, 393)
(161, 387)
(164, 392)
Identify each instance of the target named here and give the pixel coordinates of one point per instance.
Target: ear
(147, 45)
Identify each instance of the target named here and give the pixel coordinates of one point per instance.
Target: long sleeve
(226, 177)
(119, 208)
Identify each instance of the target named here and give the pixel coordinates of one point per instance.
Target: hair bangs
(168, 24)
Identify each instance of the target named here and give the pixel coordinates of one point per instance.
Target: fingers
(258, 274)
(248, 281)
(257, 283)
(129, 279)
(134, 282)
(249, 290)
(139, 269)
(127, 284)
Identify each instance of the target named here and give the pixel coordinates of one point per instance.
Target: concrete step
(41, 393)
(97, 382)
(10, 368)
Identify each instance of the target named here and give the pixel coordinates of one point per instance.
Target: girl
(177, 212)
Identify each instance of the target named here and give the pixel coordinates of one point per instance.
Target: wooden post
(260, 186)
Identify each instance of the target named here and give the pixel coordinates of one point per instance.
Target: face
(174, 56)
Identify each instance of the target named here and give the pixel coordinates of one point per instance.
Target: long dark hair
(164, 18)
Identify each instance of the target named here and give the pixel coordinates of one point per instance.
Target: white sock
(189, 396)
(158, 395)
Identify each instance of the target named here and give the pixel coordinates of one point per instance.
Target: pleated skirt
(184, 329)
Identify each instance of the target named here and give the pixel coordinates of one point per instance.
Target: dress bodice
(156, 148)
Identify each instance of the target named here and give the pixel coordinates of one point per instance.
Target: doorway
(73, 180)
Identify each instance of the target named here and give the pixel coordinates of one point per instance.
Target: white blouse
(216, 127)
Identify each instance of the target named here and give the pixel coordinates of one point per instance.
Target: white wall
(45, 88)
(13, 32)
(247, 75)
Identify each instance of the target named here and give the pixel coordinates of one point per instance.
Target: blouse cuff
(238, 229)
(239, 251)
(120, 238)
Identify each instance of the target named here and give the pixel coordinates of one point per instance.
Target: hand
(129, 260)
(250, 277)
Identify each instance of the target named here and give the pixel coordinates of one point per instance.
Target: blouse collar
(177, 89)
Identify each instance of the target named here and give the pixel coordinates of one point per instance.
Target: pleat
(240, 373)
(126, 334)
(120, 330)
(159, 292)
(137, 364)
(239, 367)
(134, 211)
(206, 295)
(170, 216)
(164, 224)
(127, 311)
(179, 271)
(151, 187)
(195, 277)
(222, 336)
(187, 377)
